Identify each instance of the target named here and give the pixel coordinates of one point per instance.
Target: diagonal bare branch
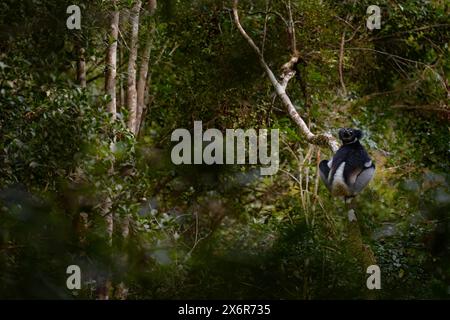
(280, 89)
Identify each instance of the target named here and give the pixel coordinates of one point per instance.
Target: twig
(345, 21)
(423, 107)
(412, 30)
(389, 54)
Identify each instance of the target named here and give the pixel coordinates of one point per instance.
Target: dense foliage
(224, 231)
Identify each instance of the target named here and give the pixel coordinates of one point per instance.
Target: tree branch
(291, 31)
(266, 19)
(341, 64)
(280, 89)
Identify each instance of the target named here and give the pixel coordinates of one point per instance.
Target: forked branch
(280, 89)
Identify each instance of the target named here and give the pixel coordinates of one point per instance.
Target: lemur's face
(349, 135)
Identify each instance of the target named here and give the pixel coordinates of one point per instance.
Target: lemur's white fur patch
(338, 186)
(330, 163)
(368, 164)
(339, 174)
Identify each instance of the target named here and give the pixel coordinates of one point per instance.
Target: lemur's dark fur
(357, 171)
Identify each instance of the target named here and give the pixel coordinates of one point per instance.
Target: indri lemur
(351, 168)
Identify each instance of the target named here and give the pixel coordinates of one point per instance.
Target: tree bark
(143, 82)
(363, 252)
(105, 285)
(132, 91)
(104, 282)
(111, 63)
(121, 100)
(81, 68)
(121, 292)
(152, 6)
(341, 64)
(122, 45)
(142, 86)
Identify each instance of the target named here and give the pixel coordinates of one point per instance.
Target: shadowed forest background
(85, 171)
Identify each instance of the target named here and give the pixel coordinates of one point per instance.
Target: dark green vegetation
(222, 231)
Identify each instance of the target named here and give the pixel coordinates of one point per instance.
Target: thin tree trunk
(111, 63)
(104, 282)
(132, 92)
(133, 104)
(123, 29)
(362, 252)
(121, 101)
(341, 64)
(81, 68)
(291, 31)
(152, 5)
(105, 285)
(142, 83)
(121, 292)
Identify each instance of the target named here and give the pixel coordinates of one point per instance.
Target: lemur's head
(349, 135)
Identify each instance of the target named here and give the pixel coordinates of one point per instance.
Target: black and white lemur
(351, 168)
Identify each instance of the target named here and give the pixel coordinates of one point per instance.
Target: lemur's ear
(341, 133)
(359, 134)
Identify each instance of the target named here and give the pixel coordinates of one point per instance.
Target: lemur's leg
(363, 179)
(324, 171)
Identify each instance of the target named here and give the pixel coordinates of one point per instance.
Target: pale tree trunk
(142, 83)
(104, 286)
(111, 63)
(81, 68)
(344, 40)
(121, 101)
(123, 29)
(141, 90)
(121, 292)
(142, 86)
(104, 282)
(132, 92)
